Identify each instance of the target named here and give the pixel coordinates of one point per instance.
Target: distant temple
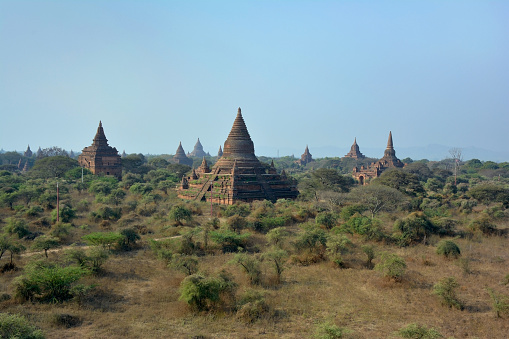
(305, 158)
(238, 175)
(389, 160)
(28, 153)
(354, 151)
(220, 152)
(180, 156)
(198, 150)
(100, 158)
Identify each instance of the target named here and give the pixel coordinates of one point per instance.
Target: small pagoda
(180, 156)
(305, 158)
(100, 158)
(198, 150)
(389, 160)
(237, 175)
(28, 153)
(354, 151)
(220, 152)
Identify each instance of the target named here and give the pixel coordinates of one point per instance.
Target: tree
(377, 198)
(104, 239)
(53, 167)
(420, 169)
(251, 266)
(188, 264)
(180, 213)
(229, 240)
(17, 326)
(337, 245)
(17, 226)
(489, 193)
(404, 182)
(391, 266)
(415, 331)
(130, 237)
(276, 236)
(448, 248)
(45, 243)
(204, 293)
(413, 228)
(313, 239)
(500, 302)
(445, 289)
(277, 259)
(327, 219)
(324, 179)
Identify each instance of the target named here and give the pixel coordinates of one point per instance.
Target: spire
(100, 138)
(389, 142)
(239, 141)
(180, 149)
(355, 141)
(220, 152)
(194, 176)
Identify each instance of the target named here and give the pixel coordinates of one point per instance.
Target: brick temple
(389, 160)
(238, 175)
(198, 150)
(100, 158)
(180, 156)
(305, 158)
(355, 151)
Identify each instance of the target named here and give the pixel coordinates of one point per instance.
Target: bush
(313, 239)
(276, 236)
(229, 240)
(106, 213)
(104, 239)
(250, 265)
(445, 289)
(414, 228)
(414, 331)
(252, 307)
(348, 211)
(51, 283)
(337, 245)
(204, 293)
(330, 331)
(499, 301)
(187, 264)
(239, 209)
(391, 266)
(66, 214)
(34, 211)
(236, 223)
(16, 326)
(369, 228)
(483, 225)
(326, 219)
(178, 214)
(17, 226)
(448, 248)
(370, 253)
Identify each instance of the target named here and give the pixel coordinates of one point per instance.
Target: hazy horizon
(303, 72)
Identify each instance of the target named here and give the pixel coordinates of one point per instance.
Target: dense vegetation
(420, 252)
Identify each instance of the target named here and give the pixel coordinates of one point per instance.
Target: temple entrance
(361, 180)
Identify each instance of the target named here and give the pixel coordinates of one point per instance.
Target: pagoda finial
(239, 112)
(389, 142)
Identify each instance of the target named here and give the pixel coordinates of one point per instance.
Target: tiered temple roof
(180, 156)
(389, 160)
(354, 151)
(100, 158)
(238, 175)
(28, 153)
(305, 158)
(220, 152)
(198, 150)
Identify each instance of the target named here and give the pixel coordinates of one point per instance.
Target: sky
(317, 73)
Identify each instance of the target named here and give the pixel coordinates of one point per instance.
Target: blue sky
(303, 72)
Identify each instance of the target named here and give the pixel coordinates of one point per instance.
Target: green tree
(45, 243)
(178, 214)
(313, 239)
(377, 198)
(250, 265)
(204, 293)
(187, 264)
(276, 236)
(229, 240)
(277, 259)
(17, 226)
(327, 219)
(489, 193)
(499, 301)
(415, 331)
(404, 182)
(16, 326)
(330, 331)
(413, 228)
(448, 248)
(52, 167)
(391, 266)
(104, 239)
(445, 289)
(130, 237)
(337, 246)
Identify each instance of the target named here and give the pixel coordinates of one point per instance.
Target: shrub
(414, 331)
(415, 227)
(66, 214)
(499, 301)
(239, 209)
(236, 223)
(130, 236)
(34, 211)
(326, 219)
(104, 239)
(277, 259)
(482, 224)
(369, 228)
(187, 264)
(44, 243)
(252, 306)
(204, 293)
(16, 326)
(106, 213)
(313, 239)
(445, 289)
(178, 214)
(17, 226)
(337, 245)
(50, 282)
(250, 265)
(276, 236)
(370, 253)
(391, 266)
(348, 211)
(448, 248)
(229, 240)
(330, 331)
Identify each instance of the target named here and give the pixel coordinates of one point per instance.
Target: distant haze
(317, 73)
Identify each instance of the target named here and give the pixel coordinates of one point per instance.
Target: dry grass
(137, 297)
